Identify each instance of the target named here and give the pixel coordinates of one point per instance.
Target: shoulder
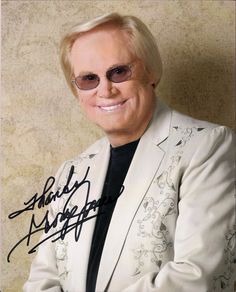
(182, 120)
(183, 125)
(189, 138)
(183, 130)
(81, 160)
(197, 142)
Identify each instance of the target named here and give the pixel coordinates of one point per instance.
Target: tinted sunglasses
(116, 74)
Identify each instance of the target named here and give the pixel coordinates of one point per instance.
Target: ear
(152, 80)
(74, 89)
(75, 93)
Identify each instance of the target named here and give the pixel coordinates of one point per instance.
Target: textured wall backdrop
(42, 125)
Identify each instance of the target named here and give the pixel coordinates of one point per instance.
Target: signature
(64, 216)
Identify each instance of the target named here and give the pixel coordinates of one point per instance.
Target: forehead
(99, 49)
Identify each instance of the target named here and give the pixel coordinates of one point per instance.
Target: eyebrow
(117, 65)
(109, 68)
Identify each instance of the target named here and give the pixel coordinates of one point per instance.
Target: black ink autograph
(64, 216)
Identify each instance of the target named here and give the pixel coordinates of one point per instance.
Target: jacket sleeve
(43, 275)
(204, 245)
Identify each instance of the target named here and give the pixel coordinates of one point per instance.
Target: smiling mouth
(113, 107)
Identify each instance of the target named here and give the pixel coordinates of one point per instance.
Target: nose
(105, 88)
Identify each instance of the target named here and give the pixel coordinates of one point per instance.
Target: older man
(160, 185)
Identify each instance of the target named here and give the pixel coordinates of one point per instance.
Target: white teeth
(110, 108)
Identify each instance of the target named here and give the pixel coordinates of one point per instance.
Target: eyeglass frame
(129, 65)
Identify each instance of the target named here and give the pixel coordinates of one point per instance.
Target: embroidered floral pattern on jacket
(61, 256)
(187, 134)
(156, 212)
(222, 282)
(157, 230)
(61, 245)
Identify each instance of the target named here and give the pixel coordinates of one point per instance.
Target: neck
(124, 137)
(119, 141)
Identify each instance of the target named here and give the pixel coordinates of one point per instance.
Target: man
(156, 196)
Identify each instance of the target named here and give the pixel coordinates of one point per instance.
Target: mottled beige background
(41, 122)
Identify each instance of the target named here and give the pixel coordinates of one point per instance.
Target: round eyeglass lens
(119, 74)
(87, 82)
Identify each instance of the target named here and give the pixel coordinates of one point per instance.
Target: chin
(111, 130)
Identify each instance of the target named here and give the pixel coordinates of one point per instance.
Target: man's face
(124, 108)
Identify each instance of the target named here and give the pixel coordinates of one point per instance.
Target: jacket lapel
(146, 164)
(97, 161)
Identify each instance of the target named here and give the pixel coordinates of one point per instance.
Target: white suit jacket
(172, 229)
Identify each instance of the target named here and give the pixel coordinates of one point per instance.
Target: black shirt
(120, 159)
